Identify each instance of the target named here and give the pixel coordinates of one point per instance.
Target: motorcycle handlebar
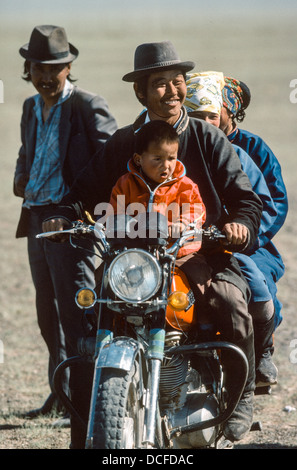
(75, 230)
(211, 233)
(79, 228)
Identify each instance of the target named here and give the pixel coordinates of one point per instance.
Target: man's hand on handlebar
(236, 234)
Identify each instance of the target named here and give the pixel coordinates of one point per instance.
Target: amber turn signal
(85, 298)
(178, 300)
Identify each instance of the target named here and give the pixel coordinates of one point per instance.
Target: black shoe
(266, 371)
(46, 408)
(241, 420)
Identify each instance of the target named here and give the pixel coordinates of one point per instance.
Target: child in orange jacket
(156, 181)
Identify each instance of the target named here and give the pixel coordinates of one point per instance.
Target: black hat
(155, 56)
(49, 45)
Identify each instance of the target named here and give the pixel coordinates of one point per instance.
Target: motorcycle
(158, 382)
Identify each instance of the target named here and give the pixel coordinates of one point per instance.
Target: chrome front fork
(103, 337)
(155, 358)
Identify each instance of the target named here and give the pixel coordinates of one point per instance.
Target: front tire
(119, 415)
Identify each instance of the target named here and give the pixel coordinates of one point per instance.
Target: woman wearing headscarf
(205, 101)
(236, 98)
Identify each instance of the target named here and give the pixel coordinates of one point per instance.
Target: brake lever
(77, 229)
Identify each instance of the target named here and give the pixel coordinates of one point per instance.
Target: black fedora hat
(155, 56)
(49, 45)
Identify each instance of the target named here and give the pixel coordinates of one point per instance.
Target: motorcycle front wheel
(119, 415)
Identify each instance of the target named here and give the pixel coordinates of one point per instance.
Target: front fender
(120, 353)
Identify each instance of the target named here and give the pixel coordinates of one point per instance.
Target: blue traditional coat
(265, 257)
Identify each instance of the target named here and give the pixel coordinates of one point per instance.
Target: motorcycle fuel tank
(180, 318)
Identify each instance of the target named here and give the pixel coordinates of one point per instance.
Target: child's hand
(175, 230)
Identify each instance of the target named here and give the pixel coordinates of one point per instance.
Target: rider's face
(166, 92)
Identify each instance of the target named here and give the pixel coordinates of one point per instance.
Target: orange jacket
(179, 199)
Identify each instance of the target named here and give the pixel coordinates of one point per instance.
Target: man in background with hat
(211, 162)
(61, 128)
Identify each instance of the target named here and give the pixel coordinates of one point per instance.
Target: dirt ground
(264, 52)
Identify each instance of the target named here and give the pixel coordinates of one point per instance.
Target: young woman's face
(49, 80)
(212, 118)
(226, 123)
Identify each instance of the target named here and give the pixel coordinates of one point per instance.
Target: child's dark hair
(154, 131)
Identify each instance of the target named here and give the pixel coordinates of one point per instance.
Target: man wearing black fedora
(62, 126)
(210, 160)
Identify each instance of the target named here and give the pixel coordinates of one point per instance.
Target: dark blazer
(210, 161)
(85, 124)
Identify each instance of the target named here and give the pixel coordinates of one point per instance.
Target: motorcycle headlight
(134, 275)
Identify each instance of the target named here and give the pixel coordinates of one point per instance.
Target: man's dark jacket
(85, 124)
(210, 161)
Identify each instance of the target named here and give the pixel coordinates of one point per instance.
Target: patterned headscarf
(233, 95)
(204, 92)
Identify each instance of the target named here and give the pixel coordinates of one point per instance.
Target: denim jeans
(263, 269)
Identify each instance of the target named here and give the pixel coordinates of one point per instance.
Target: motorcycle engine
(185, 399)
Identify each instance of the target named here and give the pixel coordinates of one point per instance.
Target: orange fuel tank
(181, 319)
